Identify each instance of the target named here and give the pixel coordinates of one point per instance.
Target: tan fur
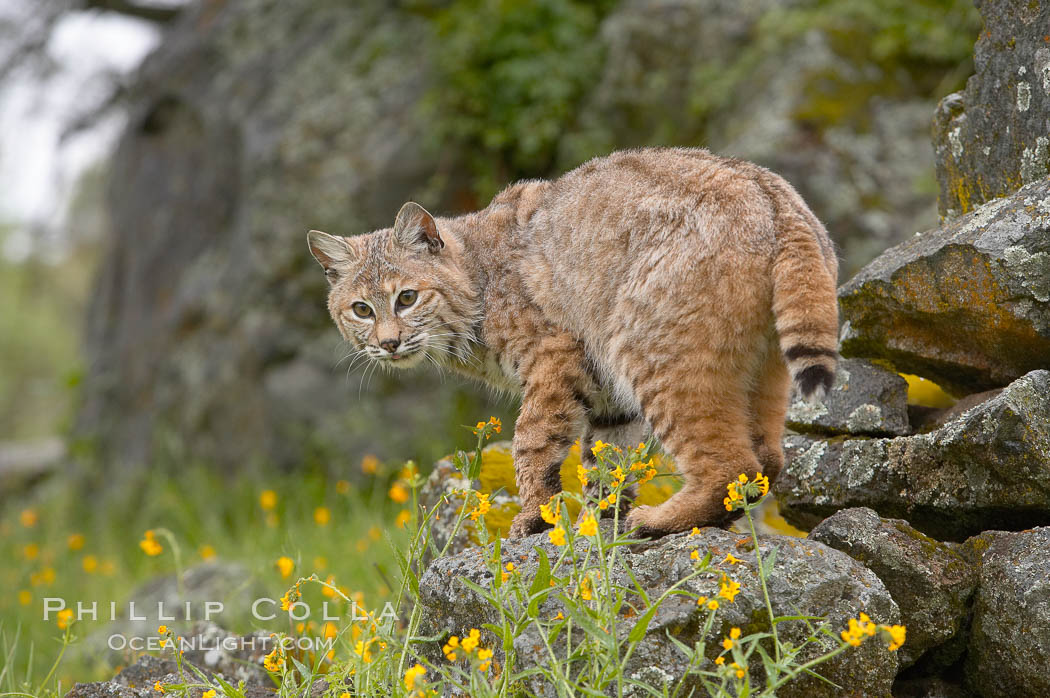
(658, 288)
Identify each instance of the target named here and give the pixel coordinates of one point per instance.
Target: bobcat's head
(398, 295)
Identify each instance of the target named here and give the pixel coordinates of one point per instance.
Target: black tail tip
(814, 379)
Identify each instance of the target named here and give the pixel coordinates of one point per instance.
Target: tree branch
(160, 15)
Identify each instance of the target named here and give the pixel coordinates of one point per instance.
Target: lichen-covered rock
(1010, 639)
(988, 468)
(214, 651)
(967, 304)
(931, 582)
(994, 136)
(865, 399)
(808, 578)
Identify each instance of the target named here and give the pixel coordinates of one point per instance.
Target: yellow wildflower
(412, 675)
(586, 589)
(897, 634)
(450, 648)
(285, 565)
(588, 526)
(363, 650)
(210, 693)
(403, 517)
(734, 633)
(763, 484)
(206, 552)
(31, 551)
(485, 655)
(158, 687)
(695, 531)
(398, 493)
(274, 661)
(649, 475)
(720, 661)
(162, 630)
(603, 505)
(701, 601)
(28, 517)
(375, 533)
(482, 508)
(611, 498)
(729, 589)
(342, 487)
(598, 447)
(547, 512)
(713, 604)
(471, 641)
(89, 564)
(75, 541)
(25, 597)
(557, 536)
(369, 464)
(150, 545)
(695, 555)
(739, 670)
(727, 643)
(618, 475)
(730, 559)
(268, 500)
(581, 474)
(65, 618)
(322, 516)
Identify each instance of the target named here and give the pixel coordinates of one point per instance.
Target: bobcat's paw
(526, 524)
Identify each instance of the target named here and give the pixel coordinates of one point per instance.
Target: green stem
(765, 590)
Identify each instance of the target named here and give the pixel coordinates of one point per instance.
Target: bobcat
(658, 289)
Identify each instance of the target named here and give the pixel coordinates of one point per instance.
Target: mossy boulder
(967, 304)
(994, 136)
(865, 399)
(931, 582)
(987, 469)
(1010, 640)
(808, 578)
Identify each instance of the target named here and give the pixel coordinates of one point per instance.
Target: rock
(865, 399)
(214, 652)
(1010, 640)
(989, 468)
(994, 136)
(214, 580)
(931, 582)
(808, 578)
(966, 305)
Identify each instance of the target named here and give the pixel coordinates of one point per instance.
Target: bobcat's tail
(805, 273)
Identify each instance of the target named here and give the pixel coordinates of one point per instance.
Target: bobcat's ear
(415, 228)
(329, 251)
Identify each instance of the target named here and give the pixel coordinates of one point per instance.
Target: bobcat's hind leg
(624, 430)
(769, 403)
(702, 421)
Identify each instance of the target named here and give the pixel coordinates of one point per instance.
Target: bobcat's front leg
(551, 419)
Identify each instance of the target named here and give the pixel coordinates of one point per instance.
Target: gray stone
(988, 468)
(931, 582)
(215, 652)
(808, 578)
(994, 136)
(1010, 640)
(865, 399)
(966, 305)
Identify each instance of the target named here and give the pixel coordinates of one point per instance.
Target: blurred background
(164, 336)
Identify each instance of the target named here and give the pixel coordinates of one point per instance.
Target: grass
(300, 530)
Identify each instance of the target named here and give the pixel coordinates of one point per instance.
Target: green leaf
(642, 626)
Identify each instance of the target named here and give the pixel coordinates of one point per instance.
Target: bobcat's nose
(390, 345)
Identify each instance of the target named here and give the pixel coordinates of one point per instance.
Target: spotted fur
(662, 289)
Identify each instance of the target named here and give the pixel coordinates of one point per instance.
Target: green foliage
(39, 340)
(510, 77)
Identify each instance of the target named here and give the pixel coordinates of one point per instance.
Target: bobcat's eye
(407, 298)
(361, 310)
